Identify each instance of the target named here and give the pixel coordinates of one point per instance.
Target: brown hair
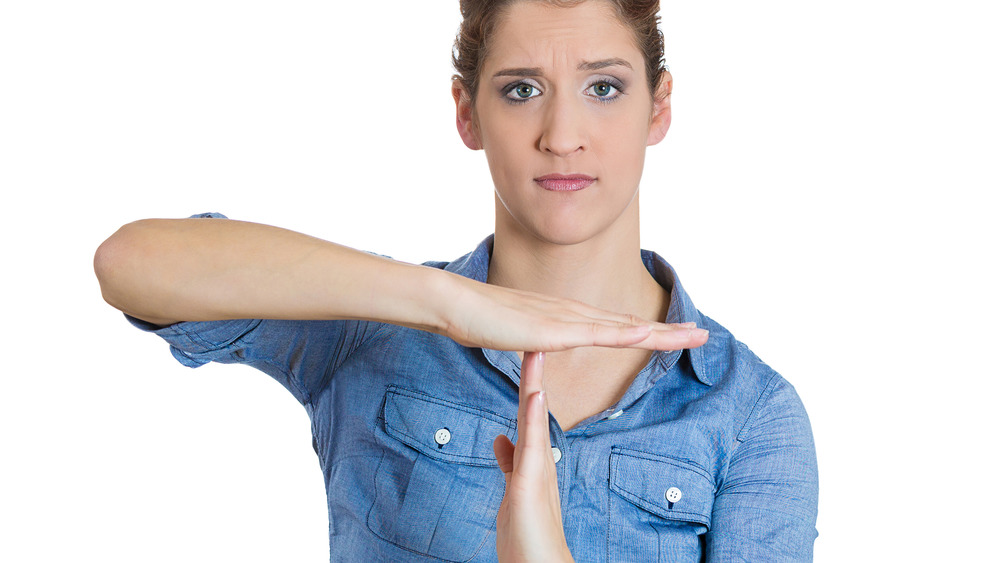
(481, 17)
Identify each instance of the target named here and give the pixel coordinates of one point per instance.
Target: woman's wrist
(442, 296)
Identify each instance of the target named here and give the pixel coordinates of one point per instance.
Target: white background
(827, 192)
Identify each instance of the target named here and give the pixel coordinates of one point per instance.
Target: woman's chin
(563, 225)
(566, 232)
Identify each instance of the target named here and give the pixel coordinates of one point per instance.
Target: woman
(411, 374)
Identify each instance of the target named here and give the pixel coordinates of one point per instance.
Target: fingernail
(690, 325)
(541, 397)
(699, 332)
(541, 358)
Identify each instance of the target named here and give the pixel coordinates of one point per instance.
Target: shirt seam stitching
(766, 392)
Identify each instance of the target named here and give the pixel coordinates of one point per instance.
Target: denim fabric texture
(709, 456)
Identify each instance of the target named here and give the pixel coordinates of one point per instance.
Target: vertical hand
(529, 522)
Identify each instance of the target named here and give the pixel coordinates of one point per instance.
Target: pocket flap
(647, 480)
(444, 430)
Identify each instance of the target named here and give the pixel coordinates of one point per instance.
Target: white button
(673, 494)
(442, 436)
(615, 415)
(556, 454)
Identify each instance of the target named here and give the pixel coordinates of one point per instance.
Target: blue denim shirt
(708, 457)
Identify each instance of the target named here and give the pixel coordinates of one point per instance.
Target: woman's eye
(521, 92)
(603, 89)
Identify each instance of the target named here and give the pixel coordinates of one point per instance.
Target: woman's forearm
(169, 270)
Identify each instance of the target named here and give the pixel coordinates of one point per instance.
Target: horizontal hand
(499, 318)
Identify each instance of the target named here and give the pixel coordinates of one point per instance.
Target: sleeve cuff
(196, 343)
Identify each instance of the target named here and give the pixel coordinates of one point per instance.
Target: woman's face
(563, 92)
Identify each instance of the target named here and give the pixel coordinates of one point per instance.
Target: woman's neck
(605, 271)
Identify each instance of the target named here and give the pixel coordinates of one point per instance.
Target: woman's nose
(563, 128)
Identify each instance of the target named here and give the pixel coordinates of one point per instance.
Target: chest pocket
(438, 486)
(660, 507)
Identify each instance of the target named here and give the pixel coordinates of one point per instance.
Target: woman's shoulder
(733, 369)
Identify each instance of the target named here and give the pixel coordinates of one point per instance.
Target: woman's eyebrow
(585, 65)
(604, 63)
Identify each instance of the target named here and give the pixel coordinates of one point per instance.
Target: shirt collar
(476, 264)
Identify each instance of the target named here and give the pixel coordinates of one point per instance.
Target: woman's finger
(503, 449)
(649, 336)
(531, 374)
(674, 339)
(533, 445)
(531, 383)
(533, 442)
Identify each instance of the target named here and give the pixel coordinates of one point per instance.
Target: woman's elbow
(113, 259)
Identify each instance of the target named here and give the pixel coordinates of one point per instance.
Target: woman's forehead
(541, 35)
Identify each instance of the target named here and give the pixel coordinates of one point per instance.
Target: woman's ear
(660, 121)
(464, 118)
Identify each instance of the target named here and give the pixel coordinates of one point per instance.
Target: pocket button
(442, 436)
(556, 454)
(673, 495)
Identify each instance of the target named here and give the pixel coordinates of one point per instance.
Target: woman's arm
(169, 270)
(164, 271)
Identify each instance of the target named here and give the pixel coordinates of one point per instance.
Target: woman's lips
(564, 182)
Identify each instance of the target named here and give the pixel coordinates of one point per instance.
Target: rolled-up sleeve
(195, 344)
(301, 355)
(766, 507)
